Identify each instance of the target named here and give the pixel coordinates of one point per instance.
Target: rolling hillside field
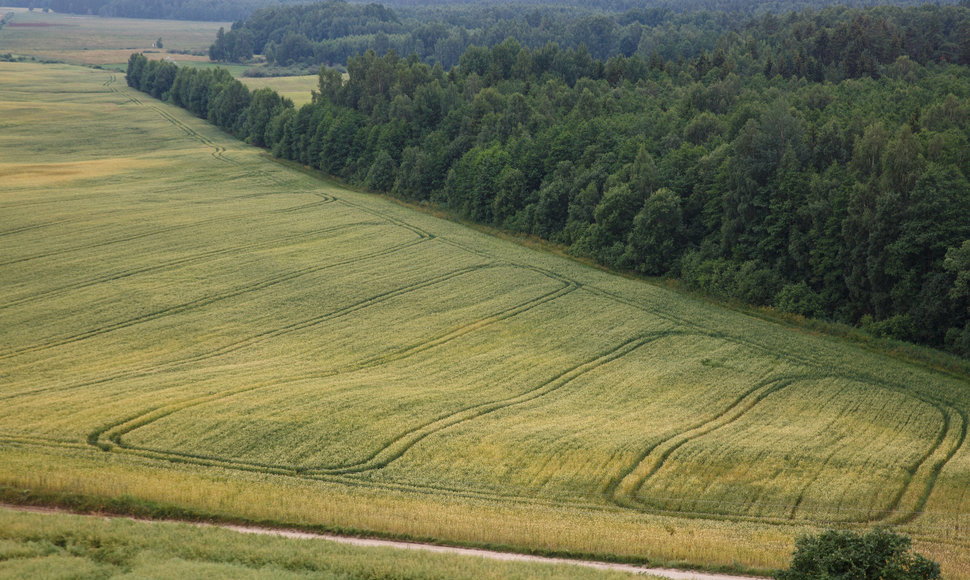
(187, 324)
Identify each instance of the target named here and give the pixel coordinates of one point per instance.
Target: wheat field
(186, 322)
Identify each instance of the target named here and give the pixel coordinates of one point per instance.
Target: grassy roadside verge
(61, 545)
(174, 493)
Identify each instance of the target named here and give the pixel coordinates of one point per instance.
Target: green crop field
(187, 324)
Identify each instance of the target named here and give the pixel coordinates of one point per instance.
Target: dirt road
(475, 552)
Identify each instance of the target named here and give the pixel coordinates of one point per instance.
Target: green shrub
(877, 555)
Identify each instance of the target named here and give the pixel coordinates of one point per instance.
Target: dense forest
(417, 13)
(332, 32)
(816, 162)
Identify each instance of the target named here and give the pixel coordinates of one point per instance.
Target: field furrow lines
(177, 123)
(183, 261)
(257, 286)
(818, 473)
(367, 363)
(524, 265)
(922, 469)
(386, 216)
(158, 231)
(625, 491)
(314, 204)
(317, 320)
(39, 226)
(218, 151)
(912, 470)
(103, 243)
(708, 329)
(809, 363)
(41, 441)
(118, 430)
(822, 518)
(472, 327)
(932, 464)
(380, 458)
(396, 448)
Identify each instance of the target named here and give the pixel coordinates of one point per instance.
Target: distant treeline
(283, 33)
(816, 163)
(423, 10)
(331, 32)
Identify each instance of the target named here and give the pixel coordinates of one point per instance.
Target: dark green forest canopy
(223, 10)
(331, 32)
(817, 163)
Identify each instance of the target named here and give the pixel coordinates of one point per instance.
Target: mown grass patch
(187, 323)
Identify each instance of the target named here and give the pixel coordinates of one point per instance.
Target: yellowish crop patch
(296, 88)
(47, 174)
(185, 322)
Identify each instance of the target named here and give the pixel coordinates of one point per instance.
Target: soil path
(481, 553)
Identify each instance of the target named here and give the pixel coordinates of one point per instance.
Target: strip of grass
(59, 545)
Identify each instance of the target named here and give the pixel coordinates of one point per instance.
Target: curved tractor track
(621, 493)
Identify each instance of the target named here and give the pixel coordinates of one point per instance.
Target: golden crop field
(92, 40)
(187, 323)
